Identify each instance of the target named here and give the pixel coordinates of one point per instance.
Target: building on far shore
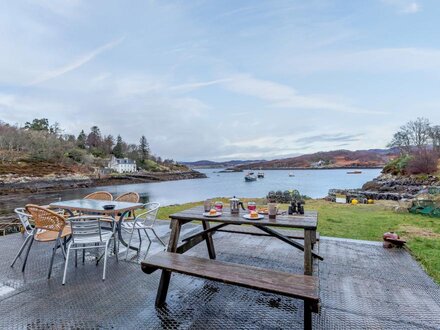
(122, 165)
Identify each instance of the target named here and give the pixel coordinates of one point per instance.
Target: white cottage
(122, 165)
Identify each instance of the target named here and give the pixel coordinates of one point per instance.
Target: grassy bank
(369, 222)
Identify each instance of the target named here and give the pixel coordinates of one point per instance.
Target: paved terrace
(362, 285)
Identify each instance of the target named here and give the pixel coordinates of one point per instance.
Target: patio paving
(362, 286)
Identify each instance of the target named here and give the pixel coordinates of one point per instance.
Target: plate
(248, 217)
(207, 214)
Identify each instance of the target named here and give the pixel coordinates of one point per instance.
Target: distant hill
(226, 164)
(373, 158)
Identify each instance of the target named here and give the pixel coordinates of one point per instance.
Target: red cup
(218, 206)
(252, 206)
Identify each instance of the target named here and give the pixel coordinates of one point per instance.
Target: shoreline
(298, 168)
(49, 185)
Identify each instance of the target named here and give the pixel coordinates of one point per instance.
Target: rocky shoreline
(391, 187)
(65, 182)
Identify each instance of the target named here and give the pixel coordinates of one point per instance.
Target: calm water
(313, 183)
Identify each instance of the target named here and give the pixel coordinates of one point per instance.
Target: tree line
(418, 142)
(39, 140)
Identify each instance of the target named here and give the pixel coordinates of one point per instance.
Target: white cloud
(377, 60)
(48, 75)
(284, 96)
(404, 6)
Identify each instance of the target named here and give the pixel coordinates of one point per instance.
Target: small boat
(250, 177)
(354, 172)
(260, 175)
(291, 174)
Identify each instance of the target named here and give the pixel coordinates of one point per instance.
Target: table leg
(209, 241)
(308, 259)
(119, 228)
(166, 275)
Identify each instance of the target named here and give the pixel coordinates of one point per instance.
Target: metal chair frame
(45, 220)
(143, 221)
(87, 233)
(24, 217)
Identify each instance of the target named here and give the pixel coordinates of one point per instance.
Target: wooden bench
(302, 287)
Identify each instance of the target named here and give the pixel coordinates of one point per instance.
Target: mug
(272, 210)
(207, 205)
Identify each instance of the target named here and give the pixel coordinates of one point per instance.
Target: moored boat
(291, 174)
(250, 177)
(354, 172)
(260, 175)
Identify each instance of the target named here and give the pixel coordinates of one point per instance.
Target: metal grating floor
(362, 286)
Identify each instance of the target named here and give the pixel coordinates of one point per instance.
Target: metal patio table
(97, 207)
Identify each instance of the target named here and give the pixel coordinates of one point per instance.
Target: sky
(223, 80)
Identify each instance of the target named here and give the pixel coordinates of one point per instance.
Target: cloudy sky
(221, 80)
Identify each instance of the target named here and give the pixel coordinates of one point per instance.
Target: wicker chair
(131, 197)
(100, 195)
(49, 227)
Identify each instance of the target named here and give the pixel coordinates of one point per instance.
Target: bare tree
(415, 134)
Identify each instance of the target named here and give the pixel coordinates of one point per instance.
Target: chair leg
(76, 258)
(140, 241)
(21, 250)
(27, 253)
(149, 244)
(116, 247)
(66, 263)
(84, 254)
(52, 258)
(105, 260)
(129, 243)
(154, 232)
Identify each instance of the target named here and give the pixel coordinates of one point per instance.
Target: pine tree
(81, 140)
(118, 148)
(144, 149)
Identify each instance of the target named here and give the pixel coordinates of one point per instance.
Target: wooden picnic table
(308, 222)
(121, 209)
(303, 287)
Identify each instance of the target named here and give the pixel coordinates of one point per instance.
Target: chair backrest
(100, 195)
(87, 228)
(132, 197)
(149, 215)
(24, 219)
(46, 219)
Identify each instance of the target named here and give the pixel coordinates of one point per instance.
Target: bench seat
(297, 286)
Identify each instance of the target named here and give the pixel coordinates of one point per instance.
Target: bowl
(108, 207)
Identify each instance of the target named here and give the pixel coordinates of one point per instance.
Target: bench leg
(307, 316)
(209, 241)
(308, 259)
(162, 291)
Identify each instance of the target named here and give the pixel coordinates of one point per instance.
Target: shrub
(398, 165)
(424, 162)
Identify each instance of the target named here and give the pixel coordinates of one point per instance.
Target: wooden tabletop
(92, 205)
(307, 221)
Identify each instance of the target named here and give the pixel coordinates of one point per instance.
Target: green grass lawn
(368, 222)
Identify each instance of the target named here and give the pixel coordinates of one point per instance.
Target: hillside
(211, 164)
(330, 159)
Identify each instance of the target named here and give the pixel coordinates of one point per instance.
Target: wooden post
(307, 316)
(166, 275)
(209, 241)
(308, 260)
